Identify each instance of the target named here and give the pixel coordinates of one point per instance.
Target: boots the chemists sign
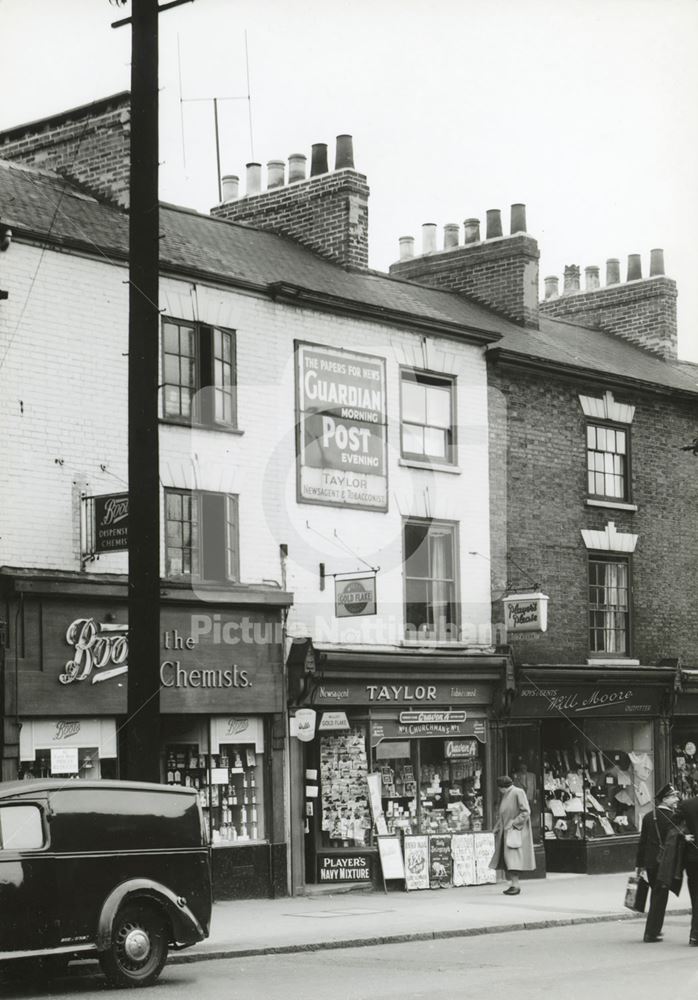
(342, 428)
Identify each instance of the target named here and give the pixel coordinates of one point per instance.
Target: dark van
(116, 869)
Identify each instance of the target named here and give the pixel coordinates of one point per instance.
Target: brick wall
(501, 273)
(327, 214)
(538, 431)
(643, 312)
(89, 144)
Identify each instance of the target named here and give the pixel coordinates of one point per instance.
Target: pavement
(352, 919)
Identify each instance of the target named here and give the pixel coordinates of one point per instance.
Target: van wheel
(138, 948)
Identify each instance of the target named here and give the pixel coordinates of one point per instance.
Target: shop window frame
(452, 629)
(206, 387)
(609, 558)
(208, 549)
(440, 380)
(605, 497)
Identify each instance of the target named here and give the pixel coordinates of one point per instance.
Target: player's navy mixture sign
(342, 428)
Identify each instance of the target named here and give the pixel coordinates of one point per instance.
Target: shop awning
(51, 734)
(360, 660)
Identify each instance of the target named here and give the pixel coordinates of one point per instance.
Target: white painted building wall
(63, 409)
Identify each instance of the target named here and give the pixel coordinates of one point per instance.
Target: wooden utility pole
(143, 722)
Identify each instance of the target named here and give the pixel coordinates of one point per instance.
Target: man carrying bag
(657, 834)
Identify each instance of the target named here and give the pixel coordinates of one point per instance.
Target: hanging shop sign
(111, 522)
(356, 597)
(585, 700)
(391, 729)
(526, 612)
(303, 724)
(411, 694)
(342, 428)
(333, 722)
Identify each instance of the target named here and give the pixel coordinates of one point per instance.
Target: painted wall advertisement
(342, 427)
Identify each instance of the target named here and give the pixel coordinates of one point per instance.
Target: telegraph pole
(143, 703)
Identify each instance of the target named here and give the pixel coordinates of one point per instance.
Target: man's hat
(665, 791)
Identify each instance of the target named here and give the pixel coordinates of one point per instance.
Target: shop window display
(89, 766)
(425, 792)
(230, 785)
(685, 759)
(597, 783)
(346, 818)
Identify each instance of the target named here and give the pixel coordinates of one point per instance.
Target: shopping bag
(636, 894)
(512, 838)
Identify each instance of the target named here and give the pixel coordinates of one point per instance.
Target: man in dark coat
(655, 828)
(687, 813)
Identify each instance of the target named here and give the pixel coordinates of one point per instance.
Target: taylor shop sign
(526, 612)
(585, 701)
(410, 693)
(342, 428)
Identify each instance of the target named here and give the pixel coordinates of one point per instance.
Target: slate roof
(38, 203)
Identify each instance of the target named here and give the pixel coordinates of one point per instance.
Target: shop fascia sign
(526, 612)
(412, 718)
(409, 694)
(588, 700)
(455, 731)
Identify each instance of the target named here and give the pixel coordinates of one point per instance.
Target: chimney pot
(472, 230)
(230, 186)
(494, 223)
(518, 218)
(634, 267)
(406, 247)
(428, 237)
(591, 278)
(571, 280)
(318, 161)
(296, 167)
(254, 178)
(656, 263)
(612, 271)
(451, 235)
(275, 173)
(344, 154)
(552, 286)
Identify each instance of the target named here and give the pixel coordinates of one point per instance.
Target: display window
(523, 764)
(346, 816)
(68, 748)
(598, 778)
(82, 762)
(684, 741)
(229, 776)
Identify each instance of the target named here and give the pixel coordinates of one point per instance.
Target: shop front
(684, 736)
(222, 709)
(593, 743)
(391, 745)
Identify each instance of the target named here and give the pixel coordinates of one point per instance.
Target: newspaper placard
(440, 861)
(484, 849)
(390, 853)
(416, 862)
(463, 852)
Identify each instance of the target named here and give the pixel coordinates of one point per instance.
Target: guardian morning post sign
(342, 427)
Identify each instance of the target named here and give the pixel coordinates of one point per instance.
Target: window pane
(438, 406)
(416, 549)
(601, 438)
(412, 439)
(20, 828)
(413, 402)
(591, 437)
(435, 442)
(170, 338)
(620, 442)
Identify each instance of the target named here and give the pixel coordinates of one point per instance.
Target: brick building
(324, 470)
(593, 499)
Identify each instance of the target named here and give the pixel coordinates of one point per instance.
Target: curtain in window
(615, 600)
(440, 541)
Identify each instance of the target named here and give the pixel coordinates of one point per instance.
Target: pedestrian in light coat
(656, 826)
(514, 813)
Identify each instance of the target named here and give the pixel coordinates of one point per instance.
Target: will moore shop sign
(585, 700)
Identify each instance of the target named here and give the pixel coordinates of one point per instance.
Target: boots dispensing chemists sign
(342, 428)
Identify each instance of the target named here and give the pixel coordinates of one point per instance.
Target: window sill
(223, 428)
(613, 504)
(612, 661)
(414, 463)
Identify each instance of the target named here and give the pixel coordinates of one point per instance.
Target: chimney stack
(326, 212)
(501, 274)
(406, 247)
(642, 312)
